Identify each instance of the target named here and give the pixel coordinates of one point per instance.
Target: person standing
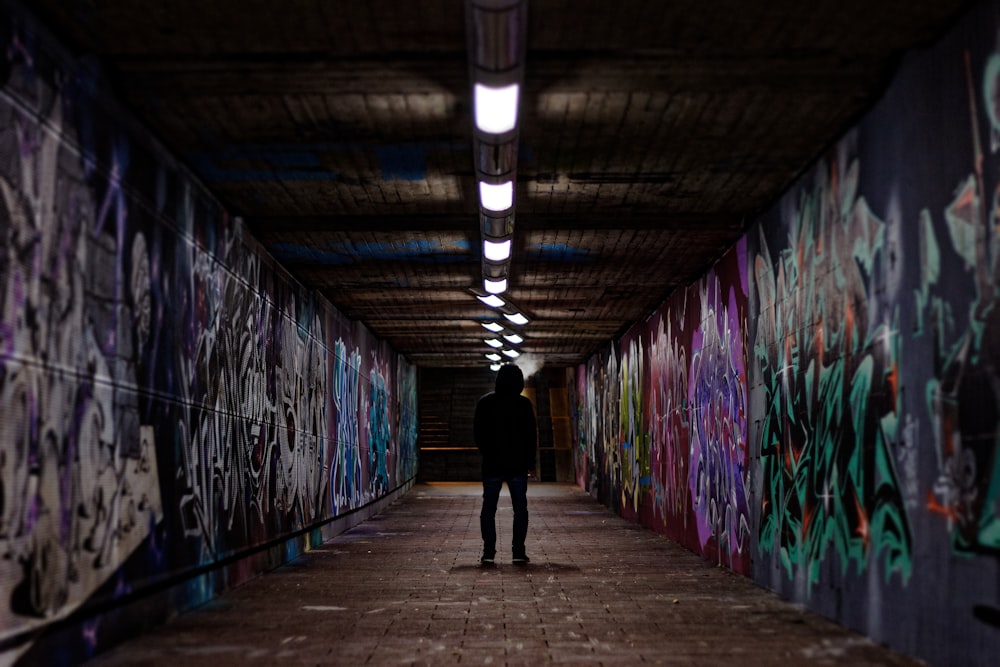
(507, 437)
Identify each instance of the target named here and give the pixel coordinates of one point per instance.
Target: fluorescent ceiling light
(492, 300)
(493, 356)
(495, 286)
(495, 367)
(496, 251)
(493, 342)
(516, 318)
(496, 108)
(492, 326)
(499, 197)
(513, 339)
(513, 354)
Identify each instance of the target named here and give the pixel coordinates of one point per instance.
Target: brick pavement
(406, 588)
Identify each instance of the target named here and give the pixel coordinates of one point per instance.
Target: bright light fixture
(492, 326)
(495, 367)
(493, 342)
(513, 339)
(516, 318)
(513, 354)
(496, 108)
(493, 301)
(496, 251)
(495, 286)
(493, 356)
(499, 197)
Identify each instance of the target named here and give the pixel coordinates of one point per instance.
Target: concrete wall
(821, 411)
(176, 413)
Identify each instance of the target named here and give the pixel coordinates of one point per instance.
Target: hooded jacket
(504, 426)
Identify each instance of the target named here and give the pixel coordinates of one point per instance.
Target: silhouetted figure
(507, 438)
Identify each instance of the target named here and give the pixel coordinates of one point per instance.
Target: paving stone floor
(406, 588)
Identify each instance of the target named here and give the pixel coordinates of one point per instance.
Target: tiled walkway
(406, 588)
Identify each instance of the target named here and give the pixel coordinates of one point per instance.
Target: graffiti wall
(821, 410)
(661, 418)
(169, 398)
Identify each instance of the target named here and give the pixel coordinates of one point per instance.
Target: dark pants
(518, 487)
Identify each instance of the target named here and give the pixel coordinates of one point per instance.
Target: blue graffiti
(378, 423)
(346, 472)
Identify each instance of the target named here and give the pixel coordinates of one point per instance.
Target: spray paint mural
(169, 398)
(823, 407)
(963, 397)
(669, 348)
(828, 357)
(718, 414)
(895, 242)
(662, 419)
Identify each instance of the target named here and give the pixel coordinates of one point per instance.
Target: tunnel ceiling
(651, 134)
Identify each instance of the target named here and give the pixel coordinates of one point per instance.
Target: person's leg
(487, 517)
(518, 487)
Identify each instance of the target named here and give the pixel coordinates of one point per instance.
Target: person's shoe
(487, 559)
(520, 560)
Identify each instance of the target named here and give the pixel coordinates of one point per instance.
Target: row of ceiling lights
(496, 30)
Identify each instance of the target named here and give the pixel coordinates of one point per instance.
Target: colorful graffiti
(598, 437)
(634, 437)
(718, 418)
(346, 470)
(169, 398)
(829, 371)
(79, 481)
(378, 425)
(823, 406)
(964, 395)
(663, 423)
(671, 433)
